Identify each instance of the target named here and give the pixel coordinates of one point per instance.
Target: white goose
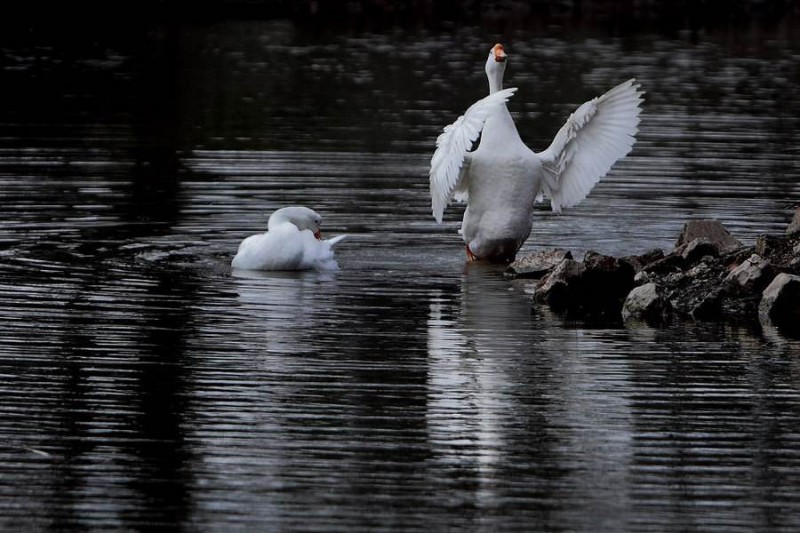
(292, 242)
(502, 178)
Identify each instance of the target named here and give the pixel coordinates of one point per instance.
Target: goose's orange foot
(470, 255)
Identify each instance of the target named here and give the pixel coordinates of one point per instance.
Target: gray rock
(780, 301)
(644, 302)
(781, 250)
(751, 275)
(711, 230)
(709, 306)
(593, 288)
(608, 281)
(767, 245)
(537, 264)
(561, 285)
(639, 262)
(695, 292)
(665, 265)
(737, 257)
(699, 248)
(794, 225)
(709, 276)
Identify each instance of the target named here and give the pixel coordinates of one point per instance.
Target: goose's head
(495, 67)
(302, 217)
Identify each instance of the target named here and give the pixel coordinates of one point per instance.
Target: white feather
(598, 134)
(452, 148)
(288, 244)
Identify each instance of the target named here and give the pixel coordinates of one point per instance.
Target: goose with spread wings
(502, 178)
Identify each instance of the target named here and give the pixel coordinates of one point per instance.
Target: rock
(781, 250)
(751, 276)
(794, 225)
(638, 262)
(780, 302)
(709, 276)
(732, 259)
(608, 281)
(741, 308)
(688, 292)
(699, 248)
(561, 286)
(767, 245)
(665, 265)
(645, 302)
(537, 264)
(709, 307)
(596, 287)
(711, 230)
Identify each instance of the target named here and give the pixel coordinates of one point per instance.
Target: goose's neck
(499, 129)
(276, 219)
(495, 81)
(494, 73)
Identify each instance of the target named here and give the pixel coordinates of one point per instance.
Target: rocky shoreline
(709, 275)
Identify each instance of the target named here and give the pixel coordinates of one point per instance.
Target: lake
(145, 383)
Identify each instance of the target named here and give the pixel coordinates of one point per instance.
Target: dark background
(616, 17)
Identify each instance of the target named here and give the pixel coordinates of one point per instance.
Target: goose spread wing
(598, 134)
(452, 149)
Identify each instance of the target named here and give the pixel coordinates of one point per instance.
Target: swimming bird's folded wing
(452, 148)
(333, 240)
(598, 134)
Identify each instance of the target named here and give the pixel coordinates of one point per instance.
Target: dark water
(144, 383)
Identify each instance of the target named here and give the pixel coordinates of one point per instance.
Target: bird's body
(503, 182)
(502, 178)
(292, 242)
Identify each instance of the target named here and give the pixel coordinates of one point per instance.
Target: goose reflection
(471, 349)
(283, 309)
(509, 397)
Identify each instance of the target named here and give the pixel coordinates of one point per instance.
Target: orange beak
(499, 53)
(318, 235)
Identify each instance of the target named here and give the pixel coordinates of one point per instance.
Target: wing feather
(452, 149)
(598, 134)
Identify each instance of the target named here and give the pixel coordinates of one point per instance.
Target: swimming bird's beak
(318, 235)
(499, 53)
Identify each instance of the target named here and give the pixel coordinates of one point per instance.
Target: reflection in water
(469, 409)
(98, 396)
(508, 402)
(284, 309)
(718, 409)
(317, 381)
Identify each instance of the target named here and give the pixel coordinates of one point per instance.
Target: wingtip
(339, 238)
(637, 86)
(437, 211)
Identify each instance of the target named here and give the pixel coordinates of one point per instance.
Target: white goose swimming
(292, 242)
(502, 178)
